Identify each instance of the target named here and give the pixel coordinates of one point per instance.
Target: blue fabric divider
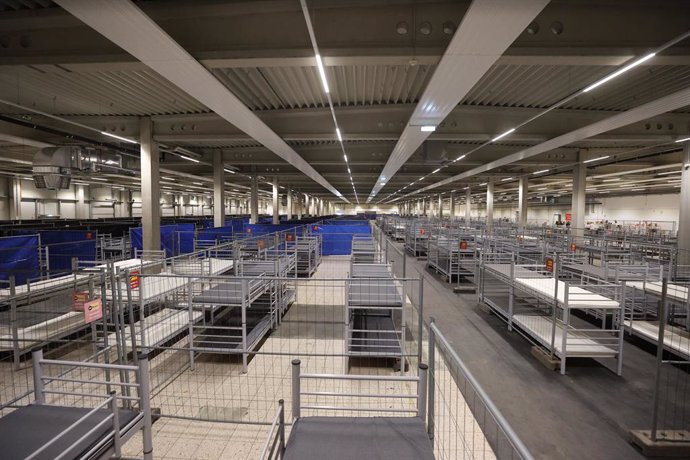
(175, 239)
(215, 234)
(63, 245)
(337, 239)
(346, 222)
(19, 257)
(262, 229)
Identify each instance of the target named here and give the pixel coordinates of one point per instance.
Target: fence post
(295, 389)
(420, 326)
(281, 428)
(36, 358)
(404, 273)
(421, 396)
(659, 359)
(145, 405)
(431, 380)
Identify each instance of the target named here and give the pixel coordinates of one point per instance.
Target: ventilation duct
(52, 167)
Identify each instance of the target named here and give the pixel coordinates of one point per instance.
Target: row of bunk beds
(375, 307)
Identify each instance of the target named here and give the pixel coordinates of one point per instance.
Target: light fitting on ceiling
(120, 138)
(402, 28)
(428, 128)
(619, 72)
(540, 172)
(501, 136)
(533, 28)
(448, 28)
(425, 28)
(322, 73)
(596, 159)
(684, 139)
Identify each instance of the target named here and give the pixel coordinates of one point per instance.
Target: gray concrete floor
(585, 414)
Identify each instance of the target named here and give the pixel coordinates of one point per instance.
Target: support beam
(468, 204)
(254, 201)
(440, 206)
(289, 202)
(486, 31)
(15, 185)
(522, 204)
(218, 189)
(577, 226)
(150, 187)
(490, 207)
(684, 219)
(451, 213)
(276, 202)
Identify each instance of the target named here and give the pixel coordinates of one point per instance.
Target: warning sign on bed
(93, 310)
(78, 300)
(134, 279)
(463, 245)
(290, 237)
(573, 247)
(549, 265)
(422, 231)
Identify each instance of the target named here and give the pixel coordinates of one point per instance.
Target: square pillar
(276, 202)
(577, 225)
(150, 187)
(254, 201)
(218, 190)
(684, 217)
(522, 203)
(490, 206)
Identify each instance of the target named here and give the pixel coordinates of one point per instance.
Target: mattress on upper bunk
(673, 291)
(358, 438)
(25, 430)
(368, 292)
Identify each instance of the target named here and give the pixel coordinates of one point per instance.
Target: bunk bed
(542, 307)
(396, 430)
(416, 238)
(452, 257)
(54, 426)
(364, 249)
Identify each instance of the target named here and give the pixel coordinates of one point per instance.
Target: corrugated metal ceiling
(107, 92)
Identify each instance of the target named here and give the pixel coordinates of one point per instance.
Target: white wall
(639, 208)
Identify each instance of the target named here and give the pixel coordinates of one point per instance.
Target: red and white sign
(78, 300)
(93, 310)
(422, 231)
(573, 247)
(289, 237)
(568, 217)
(249, 230)
(261, 244)
(134, 279)
(463, 245)
(549, 265)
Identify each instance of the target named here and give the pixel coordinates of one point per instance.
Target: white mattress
(160, 327)
(577, 344)
(577, 296)
(675, 291)
(43, 331)
(674, 341)
(38, 286)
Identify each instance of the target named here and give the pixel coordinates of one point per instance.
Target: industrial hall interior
(344, 229)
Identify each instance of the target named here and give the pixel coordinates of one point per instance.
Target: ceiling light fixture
(596, 159)
(667, 173)
(120, 138)
(428, 128)
(507, 179)
(501, 136)
(189, 158)
(684, 139)
(460, 157)
(345, 157)
(337, 131)
(540, 172)
(322, 73)
(619, 72)
(435, 170)
(611, 180)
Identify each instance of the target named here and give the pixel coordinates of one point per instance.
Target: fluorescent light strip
(619, 72)
(460, 157)
(596, 159)
(507, 179)
(428, 128)
(540, 172)
(435, 170)
(322, 73)
(188, 158)
(337, 131)
(502, 135)
(683, 140)
(667, 173)
(611, 180)
(115, 136)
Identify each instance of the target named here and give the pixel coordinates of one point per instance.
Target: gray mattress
(359, 438)
(228, 293)
(377, 292)
(23, 431)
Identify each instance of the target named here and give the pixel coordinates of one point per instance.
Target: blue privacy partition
(64, 245)
(175, 239)
(262, 229)
(216, 234)
(337, 239)
(19, 257)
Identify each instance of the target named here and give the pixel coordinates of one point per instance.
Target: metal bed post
(421, 391)
(555, 307)
(145, 405)
(117, 441)
(36, 358)
(296, 391)
(621, 327)
(566, 321)
(13, 321)
(281, 428)
(511, 293)
(431, 390)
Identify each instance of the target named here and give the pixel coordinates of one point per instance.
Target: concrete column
(440, 206)
(424, 209)
(276, 201)
(81, 211)
(451, 213)
(522, 203)
(490, 207)
(579, 196)
(254, 200)
(468, 204)
(150, 187)
(298, 204)
(218, 190)
(684, 218)
(15, 198)
(289, 202)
